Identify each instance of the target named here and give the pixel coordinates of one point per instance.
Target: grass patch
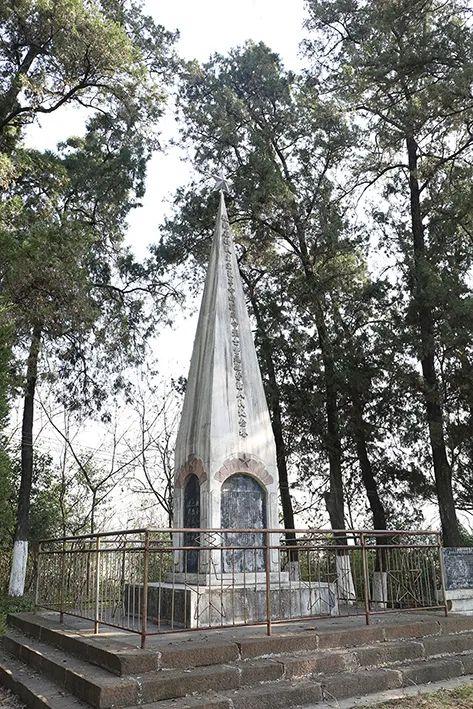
(13, 605)
(459, 698)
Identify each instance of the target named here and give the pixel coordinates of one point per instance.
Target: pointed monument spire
(225, 428)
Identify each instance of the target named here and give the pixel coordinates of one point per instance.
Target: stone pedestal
(193, 605)
(460, 601)
(458, 571)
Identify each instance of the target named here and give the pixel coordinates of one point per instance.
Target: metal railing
(152, 581)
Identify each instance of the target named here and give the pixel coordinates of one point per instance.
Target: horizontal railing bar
(253, 530)
(225, 547)
(102, 622)
(375, 547)
(410, 609)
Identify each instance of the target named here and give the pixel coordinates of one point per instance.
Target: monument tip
(221, 183)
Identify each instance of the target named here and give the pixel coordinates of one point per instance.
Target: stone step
(90, 684)
(119, 658)
(202, 701)
(282, 681)
(310, 664)
(448, 644)
(240, 673)
(100, 688)
(317, 661)
(326, 638)
(35, 690)
(299, 664)
(332, 689)
(123, 658)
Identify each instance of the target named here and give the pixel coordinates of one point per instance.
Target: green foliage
(68, 284)
(402, 70)
(7, 500)
(12, 605)
(5, 390)
(105, 55)
(322, 321)
(46, 510)
(466, 537)
(64, 268)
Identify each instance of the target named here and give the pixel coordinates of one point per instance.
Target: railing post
(267, 566)
(365, 578)
(144, 605)
(442, 574)
(61, 588)
(97, 585)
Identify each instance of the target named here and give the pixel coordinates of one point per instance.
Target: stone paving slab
(395, 625)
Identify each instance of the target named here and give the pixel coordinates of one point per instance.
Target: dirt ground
(460, 698)
(8, 700)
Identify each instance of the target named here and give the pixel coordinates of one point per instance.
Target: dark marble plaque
(243, 506)
(191, 519)
(458, 562)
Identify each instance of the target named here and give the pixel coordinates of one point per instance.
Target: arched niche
(191, 518)
(243, 506)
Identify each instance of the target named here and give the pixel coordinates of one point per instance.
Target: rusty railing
(152, 581)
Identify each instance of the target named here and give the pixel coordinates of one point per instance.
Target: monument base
(189, 605)
(459, 601)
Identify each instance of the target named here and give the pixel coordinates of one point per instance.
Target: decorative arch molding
(244, 463)
(193, 466)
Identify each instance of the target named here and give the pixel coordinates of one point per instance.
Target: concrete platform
(460, 601)
(337, 629)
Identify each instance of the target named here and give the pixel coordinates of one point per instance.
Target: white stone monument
(225, 458)
(225, 471)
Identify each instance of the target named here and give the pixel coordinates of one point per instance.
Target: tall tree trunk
(431, 389)
(274, 401)
(367, 475)
(281, 455)
(379, 587)
(20, 547)
(334, 498)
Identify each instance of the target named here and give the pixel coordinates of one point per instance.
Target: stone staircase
(48, 664)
